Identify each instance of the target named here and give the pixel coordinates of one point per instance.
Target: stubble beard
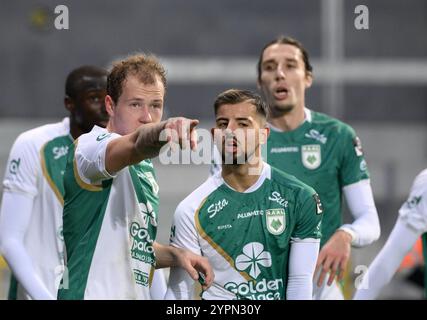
(278, 111)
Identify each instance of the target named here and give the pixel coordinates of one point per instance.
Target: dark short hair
(290, 41)
(72, 83)
(145, 67)
(235, 96)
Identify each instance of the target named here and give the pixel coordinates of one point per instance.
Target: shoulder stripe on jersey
(151, 276)
(80, 182)
(48, 177)
(215, 246)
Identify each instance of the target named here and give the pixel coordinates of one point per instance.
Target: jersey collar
(265, 174)
(307, 118)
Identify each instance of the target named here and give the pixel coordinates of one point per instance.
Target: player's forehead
(91, 83)
(241, 110)
(134, 88)
(278, 52)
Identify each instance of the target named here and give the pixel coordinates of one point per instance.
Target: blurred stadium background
(373, 79)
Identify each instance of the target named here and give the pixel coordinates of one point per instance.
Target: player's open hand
(333, 257)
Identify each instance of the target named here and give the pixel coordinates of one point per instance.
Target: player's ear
(69, 103)
(308, 79)
(109, 105)
(263, 134)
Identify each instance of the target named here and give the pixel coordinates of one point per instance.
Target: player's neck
(288, 121)
(110, 126)
(75, 130)
(242, 176)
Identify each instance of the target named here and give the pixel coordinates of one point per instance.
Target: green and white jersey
(414, 213)
(247, 236)
(326, 154)
(35, 169)
(110, 223)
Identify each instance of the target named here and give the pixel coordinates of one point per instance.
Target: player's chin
(284, 106)
(234, 158)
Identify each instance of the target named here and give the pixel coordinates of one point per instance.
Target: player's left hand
(333, 257)
(195, 264)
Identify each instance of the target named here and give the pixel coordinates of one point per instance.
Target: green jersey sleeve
(310, 214)
(353, 166)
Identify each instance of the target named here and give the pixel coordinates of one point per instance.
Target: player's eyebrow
(237, 119)
(142, 100)
(273, 60)
(157, 100)
(293, 60)
(134, 99)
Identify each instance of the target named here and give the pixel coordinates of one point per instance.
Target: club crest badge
(311, 156)
(276, 221)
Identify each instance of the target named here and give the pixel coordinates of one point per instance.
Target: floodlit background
(373, 79)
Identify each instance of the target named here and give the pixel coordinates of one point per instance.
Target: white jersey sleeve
(365, 228)
(414, 211)
(31, 213)
(385, 264)
(302, 263)
(20, 189)
(183, 231)
(90, 155)
(412, 222)
(13, 228)
(183, 235)
(22, 168)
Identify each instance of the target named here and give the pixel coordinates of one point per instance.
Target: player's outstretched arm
(14, 221)
(385, 264)
(168, 256)
(147, 140)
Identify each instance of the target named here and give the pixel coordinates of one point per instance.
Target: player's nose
(145, 115)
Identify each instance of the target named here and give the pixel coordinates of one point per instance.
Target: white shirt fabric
(365, 228)
(31, 216)
(302, 258)
(411, 223)
(112, 270)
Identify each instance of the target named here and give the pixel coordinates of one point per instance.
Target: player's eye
(269, 67)
(135, 104)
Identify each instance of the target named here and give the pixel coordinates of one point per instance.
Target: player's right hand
(198, 267)
(181, 131)
(333, 257)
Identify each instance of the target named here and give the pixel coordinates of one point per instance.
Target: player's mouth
(230, 145)
(281, 93)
